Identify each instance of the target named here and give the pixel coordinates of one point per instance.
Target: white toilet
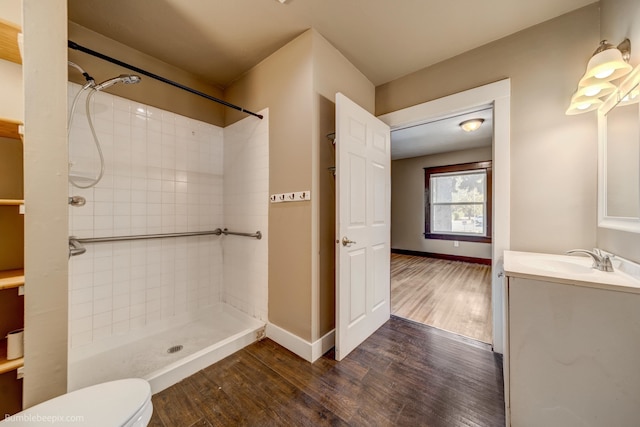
(121, 403)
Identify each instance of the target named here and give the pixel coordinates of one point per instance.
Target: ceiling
(443, 135)
(221, 39)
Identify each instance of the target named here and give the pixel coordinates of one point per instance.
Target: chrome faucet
(601, 261)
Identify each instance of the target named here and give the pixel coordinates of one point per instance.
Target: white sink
(560, 264)
(569, 269)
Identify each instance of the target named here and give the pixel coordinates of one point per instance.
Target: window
(458, 202)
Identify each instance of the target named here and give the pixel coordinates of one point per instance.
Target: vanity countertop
(567, 269)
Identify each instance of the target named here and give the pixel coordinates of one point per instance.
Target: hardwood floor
(405, 374)
(450, 295)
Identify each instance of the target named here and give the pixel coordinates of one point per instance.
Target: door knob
(346, 241)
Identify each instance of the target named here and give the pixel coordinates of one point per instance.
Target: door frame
(497, 94)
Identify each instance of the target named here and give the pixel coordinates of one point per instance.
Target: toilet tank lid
(107, 404)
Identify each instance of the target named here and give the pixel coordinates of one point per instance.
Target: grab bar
(76, 248)
(217, 232)
(257, 234)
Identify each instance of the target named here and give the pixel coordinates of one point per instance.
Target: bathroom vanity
(573, 342)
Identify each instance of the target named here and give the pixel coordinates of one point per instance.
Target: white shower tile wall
(163, 174)
(246, 207)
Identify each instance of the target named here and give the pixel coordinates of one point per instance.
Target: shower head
(122, 78)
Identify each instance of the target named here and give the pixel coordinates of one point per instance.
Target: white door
(363, 212)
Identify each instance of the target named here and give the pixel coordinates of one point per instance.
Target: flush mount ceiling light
(607, 64)
(471, 125)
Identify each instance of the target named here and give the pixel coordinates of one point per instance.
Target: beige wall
(332, 73)
(620, 19)
(149, 91)
(45, 193)
(11, 10)
(407, 204)
(553, 156)
(282, 82)
(298, 84)
(11, 89)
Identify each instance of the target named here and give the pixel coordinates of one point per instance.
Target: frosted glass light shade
(598, 90)
(582, 107)
(471, 125)
(605, 66)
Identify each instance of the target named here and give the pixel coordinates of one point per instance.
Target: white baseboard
(309, 351)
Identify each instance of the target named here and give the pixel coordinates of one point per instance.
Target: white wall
(163, 175)
(246, 209)
(407, 204)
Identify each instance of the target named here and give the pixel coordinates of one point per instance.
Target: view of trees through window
(458, 202)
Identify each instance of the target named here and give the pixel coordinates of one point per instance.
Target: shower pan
(208, 337)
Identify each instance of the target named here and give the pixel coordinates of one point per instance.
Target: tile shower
(129, 301)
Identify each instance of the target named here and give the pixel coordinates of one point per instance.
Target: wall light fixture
(608, 64)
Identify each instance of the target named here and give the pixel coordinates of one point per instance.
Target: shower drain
(174, 349)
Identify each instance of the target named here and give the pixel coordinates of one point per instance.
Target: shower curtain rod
(76, 46)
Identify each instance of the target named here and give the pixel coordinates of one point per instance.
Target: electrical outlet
(456, 244)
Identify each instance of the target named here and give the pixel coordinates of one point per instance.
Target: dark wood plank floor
(406, 374)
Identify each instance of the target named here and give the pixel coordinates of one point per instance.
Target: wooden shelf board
(8, 365)
(9, 49)
(9, 128)
(11, 202)
(11, 279)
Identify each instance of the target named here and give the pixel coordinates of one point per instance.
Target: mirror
(623, 154)
(619, 159)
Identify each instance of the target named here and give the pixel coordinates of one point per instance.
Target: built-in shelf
(8, 365)
(10, 128)
(11, 279)
(9, 49)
